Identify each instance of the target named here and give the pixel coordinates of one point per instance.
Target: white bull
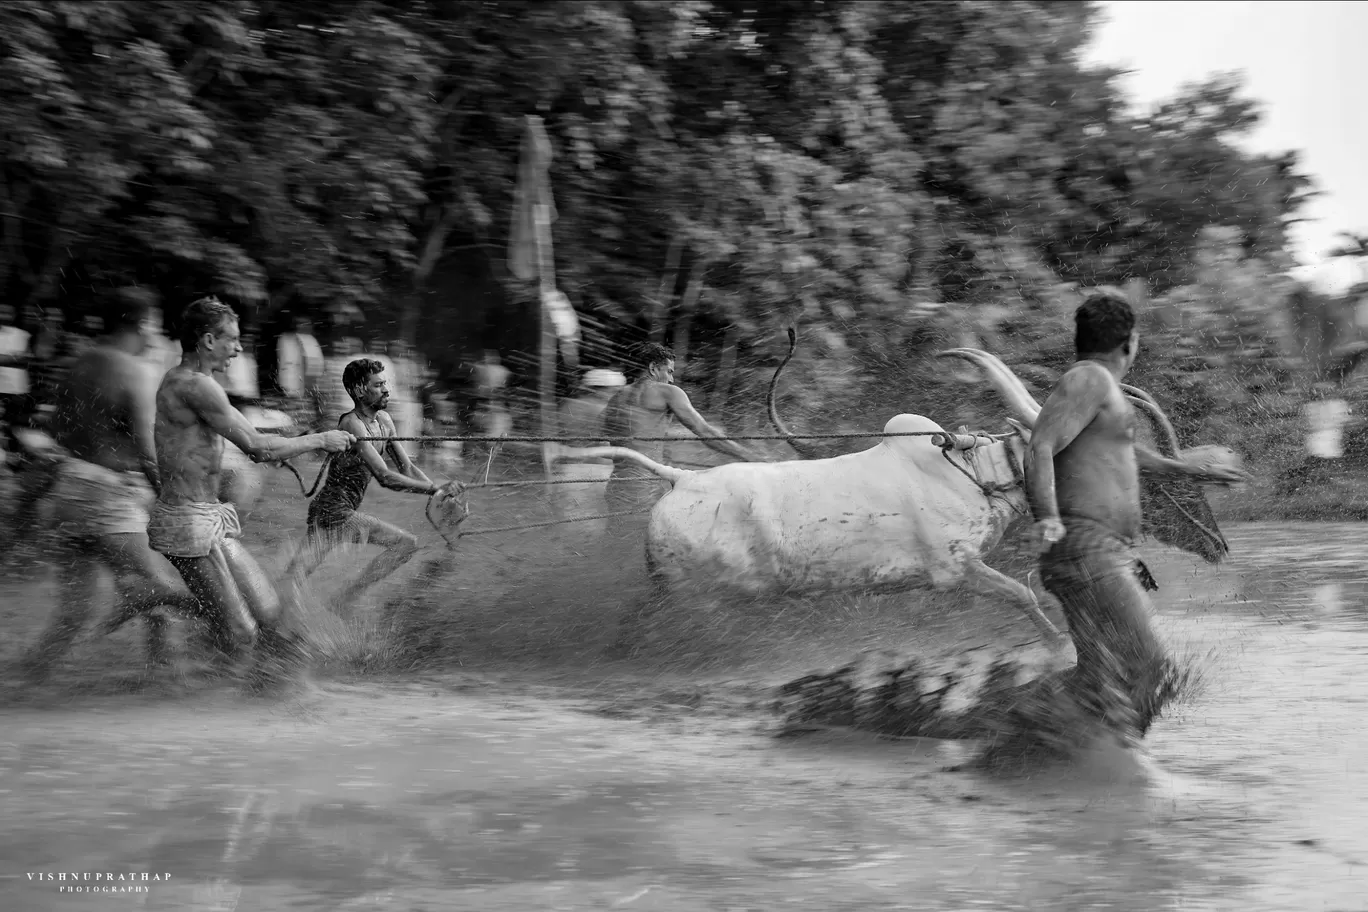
(896, 517)
(904, 514)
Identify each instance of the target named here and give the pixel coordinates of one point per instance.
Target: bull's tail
(669, 473)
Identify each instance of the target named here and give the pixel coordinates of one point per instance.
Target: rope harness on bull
(951, 443)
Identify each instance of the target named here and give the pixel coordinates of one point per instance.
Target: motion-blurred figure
(581, 420)
(105, 481)
(492, 418)
(14, 377)
(301, 366)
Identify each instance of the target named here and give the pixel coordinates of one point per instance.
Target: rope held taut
(777, 437)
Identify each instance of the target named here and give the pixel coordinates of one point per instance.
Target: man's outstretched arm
(388, 478)
(1154, 463)
(683, 409)
(210, 402)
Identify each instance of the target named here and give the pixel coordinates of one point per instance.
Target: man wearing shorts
(105, 481)
(334, 515)
(1083, 481)
(189, 524)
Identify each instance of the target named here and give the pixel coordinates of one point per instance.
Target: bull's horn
(1008, 384)
(1156, 417)
(1156, 413)
(669, 473)
(799, 448)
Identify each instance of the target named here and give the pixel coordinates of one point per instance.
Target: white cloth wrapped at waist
(191, 530)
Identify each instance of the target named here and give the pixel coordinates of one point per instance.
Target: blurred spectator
(1325, 420)
(241, 378)
(492, 418)
(14, 375)
(301, 367)
(48, 350)
(440, 420)
(336, 401)
(405, 408)
(581, 420)
(162, 353)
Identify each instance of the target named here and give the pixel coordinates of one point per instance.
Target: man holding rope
(644, 409)
(188, 524)
(334, 515)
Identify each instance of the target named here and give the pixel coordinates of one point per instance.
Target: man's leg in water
(79, 589)
(156, 585)
(317, 545)
(1109, 620)
(211, 582)
(400, 546)
(231, 584)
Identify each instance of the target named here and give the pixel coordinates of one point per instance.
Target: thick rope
(847, 436)
(554, 522)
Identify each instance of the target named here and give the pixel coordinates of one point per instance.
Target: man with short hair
(189, 524)
(105, 481)
(334, 514)
(646, 408)
(1084, 486)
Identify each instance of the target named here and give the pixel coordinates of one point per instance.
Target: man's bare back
(105, 411)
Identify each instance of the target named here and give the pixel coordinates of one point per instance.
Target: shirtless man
(105, 482)
(334, 515)
(1083, 482)
(189, 524)
(645, 409)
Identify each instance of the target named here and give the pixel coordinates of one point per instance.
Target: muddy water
(453, 795)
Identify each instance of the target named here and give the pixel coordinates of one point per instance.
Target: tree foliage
(879, 171)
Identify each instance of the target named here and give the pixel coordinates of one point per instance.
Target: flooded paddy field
(518, 768)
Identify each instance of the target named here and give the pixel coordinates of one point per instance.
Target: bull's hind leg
(984, 580)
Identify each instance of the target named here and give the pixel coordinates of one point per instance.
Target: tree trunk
(660, 308)
(686, 311)
(433, 247)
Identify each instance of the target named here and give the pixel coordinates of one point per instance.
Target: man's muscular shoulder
(1085, 381)
(192, 388)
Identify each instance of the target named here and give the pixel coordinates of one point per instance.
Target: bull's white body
(896, 516)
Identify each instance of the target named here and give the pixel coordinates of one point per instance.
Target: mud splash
(1022, 710)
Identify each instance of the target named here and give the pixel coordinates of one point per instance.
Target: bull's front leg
(982, 579)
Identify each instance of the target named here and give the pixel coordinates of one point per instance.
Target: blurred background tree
(890, 175)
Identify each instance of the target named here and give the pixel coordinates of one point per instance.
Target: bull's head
(1175, 510)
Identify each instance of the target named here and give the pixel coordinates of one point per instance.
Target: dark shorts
(1101, 584)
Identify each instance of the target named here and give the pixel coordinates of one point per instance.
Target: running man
(645, 409)
(104, 484)
(188, 524)
(1084, 486)
(334, 515)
